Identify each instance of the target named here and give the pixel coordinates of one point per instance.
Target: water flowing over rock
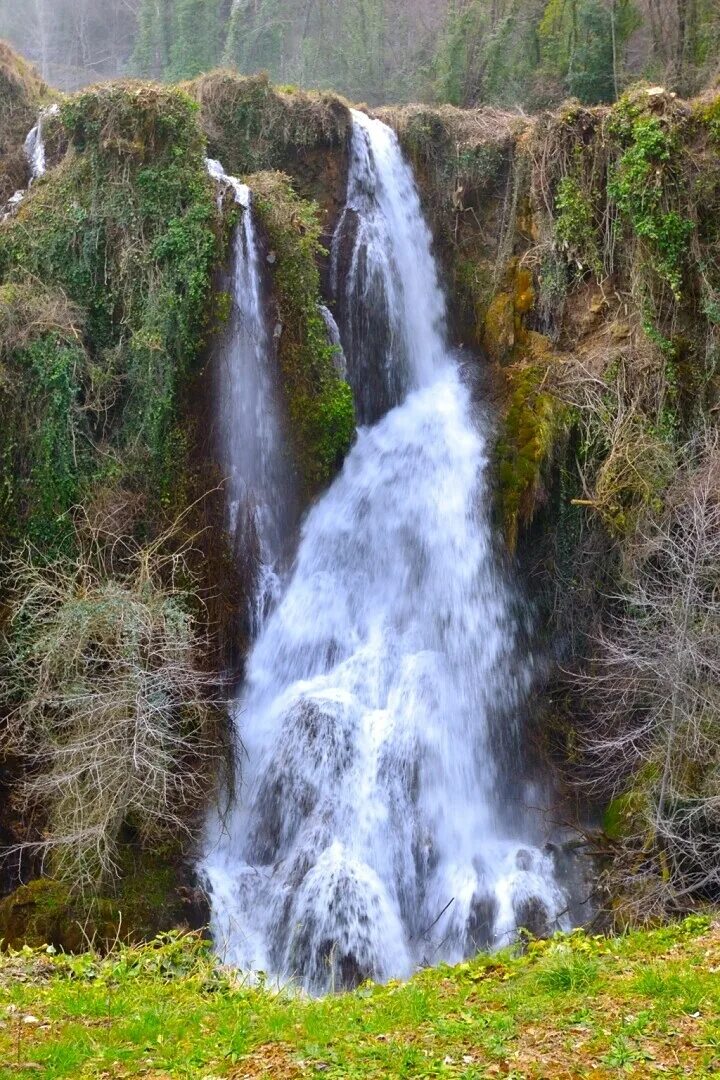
(381, 269)
(249, 414)
(35, 155)
(374, 829)
(335, 339)
(35, 144)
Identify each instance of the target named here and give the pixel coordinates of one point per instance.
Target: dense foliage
(105, 289)
(107, 303)
(126, 231)
(517, 52)
(322, 410)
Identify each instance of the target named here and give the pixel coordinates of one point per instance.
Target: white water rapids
(374, 828)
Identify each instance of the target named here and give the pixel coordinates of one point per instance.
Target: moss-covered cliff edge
(582, 254)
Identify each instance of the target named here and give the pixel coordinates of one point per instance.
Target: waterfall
(260, 481)
(34, 150)
(335, 339)
(374, 828)
(35, 144)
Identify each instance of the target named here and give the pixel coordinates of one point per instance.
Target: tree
(582, 43)
(255, 33)
(195, 38)
(152, 44)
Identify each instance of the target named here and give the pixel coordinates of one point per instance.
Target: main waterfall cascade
(374, 830)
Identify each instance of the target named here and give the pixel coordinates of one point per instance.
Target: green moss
(708, 114)
(533, 422)
(622, 817)
(322, 412)
(127, 228)
(44, 913)
(499, 327)
(49, 912)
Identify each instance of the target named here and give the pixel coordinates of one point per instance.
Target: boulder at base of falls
(149, 902)
(531, 914)
(479, 933)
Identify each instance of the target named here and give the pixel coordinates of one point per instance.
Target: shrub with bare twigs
(654, 691)
(105, 697)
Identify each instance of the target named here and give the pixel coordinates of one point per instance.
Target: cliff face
(583, 241)
(582, 253)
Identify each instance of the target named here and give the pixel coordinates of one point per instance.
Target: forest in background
(526, 53)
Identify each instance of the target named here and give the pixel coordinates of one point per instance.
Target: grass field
(646, 1004)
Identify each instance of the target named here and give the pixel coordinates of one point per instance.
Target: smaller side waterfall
(262, 504)
(335, 339)
(35, 155)
(35, 144)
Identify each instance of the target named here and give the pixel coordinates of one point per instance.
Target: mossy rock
(114, 250)
(320, 402)
(534, 422)
(252, 126)
(43, 913)
(623, 815)
(499, 329)
(148, 902)
(504, 330)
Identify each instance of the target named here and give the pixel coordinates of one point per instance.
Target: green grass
(646, 1004)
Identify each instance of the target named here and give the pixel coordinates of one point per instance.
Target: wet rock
(479, 934)
(532, 915)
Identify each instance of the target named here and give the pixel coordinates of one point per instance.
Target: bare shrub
(105, 697)
(654, 692)
(617, 395)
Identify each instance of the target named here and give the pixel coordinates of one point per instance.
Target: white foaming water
(260, 483)
(374, 829)
(35, 144)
